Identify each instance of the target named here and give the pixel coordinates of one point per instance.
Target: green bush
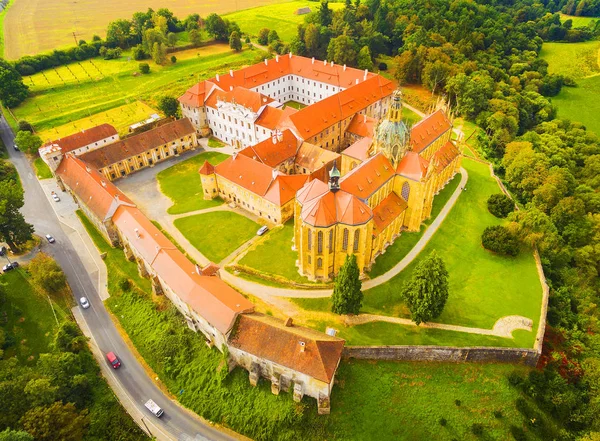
(477, 429)
(499, 239)
(443, 421)
(500, 205)
(144, 68)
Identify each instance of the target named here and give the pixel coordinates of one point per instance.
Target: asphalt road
(176, 423)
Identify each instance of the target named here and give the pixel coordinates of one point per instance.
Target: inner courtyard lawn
(181, 183)
(483, 287)
(217, 234)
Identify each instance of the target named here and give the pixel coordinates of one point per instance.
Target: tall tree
(46, 273)
(235, 41)
(15, 435)
(263, 36)
(12, 90)
(347, 295)
(195, 37)
(427, 291)
(57, 421)
(159, 53)
(169, 106)
(13, 228)
(118, 32)
(325, 14)
(364, 60)
(172, 39)
(216, 27)
(311, 40)
(28, 142)
(342, 50)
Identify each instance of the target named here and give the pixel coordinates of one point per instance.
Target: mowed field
(582, 62)
(69, 93)
(578, 22)
(34, 26)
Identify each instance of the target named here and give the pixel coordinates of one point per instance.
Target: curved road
(132, 380)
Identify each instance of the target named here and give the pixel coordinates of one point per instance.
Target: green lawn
(181, 183)
(295, 105)
(42, 170)
(217, 234)
(578, 60)
(69, 93)
(279, 16)
(215, 143)
(2, 16)
(483, 287)
(581, 103)
(578, 22)
(409, 117)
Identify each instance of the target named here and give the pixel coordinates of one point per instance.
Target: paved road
(176, 423)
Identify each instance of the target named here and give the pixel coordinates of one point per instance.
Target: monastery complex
(345, 168)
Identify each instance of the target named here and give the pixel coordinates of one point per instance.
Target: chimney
(366, 72)
(234, 155)
(344, 68)
(288, 322)
(198, 271)
(137, 233)
(357, 81)
(87, 169)
(324, 62)
(313, 60)
(331, 63)
(230, 88)
(302, 346)
(231, 72)
(217, 77)
(274, 138)
(276, 58)
(266, 64)
(279, 135)
(103, 183)
(290, 54)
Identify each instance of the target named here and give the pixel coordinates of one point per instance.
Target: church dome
(392, 135)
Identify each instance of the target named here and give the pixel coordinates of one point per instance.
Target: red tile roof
(362, 125)
(284, 188)
(196, 95)
(85, 137)
(239, 95)
(207, 168)
(137, 144)
(323, 208)
(413, 166)
(312, 158)
(386, 211)
(100, 195)
(268, 338)
(365, 180)
(445, 155)
(428, 130)
(360, 149)
(273, 153)
(271, 117)
(208, 296)
(247, 173)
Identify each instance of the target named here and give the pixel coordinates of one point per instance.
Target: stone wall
(441, 353)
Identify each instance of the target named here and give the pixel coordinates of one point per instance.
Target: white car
(50, 239)
(262, 230)
(154, 408)
(84, 303)
(55, 197)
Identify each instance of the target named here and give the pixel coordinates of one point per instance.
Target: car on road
(262, 230)
(55, 197)
(113, 360)
(50, 239)
(154, 408)
(10, 266)
(16, 147)
(84, 303)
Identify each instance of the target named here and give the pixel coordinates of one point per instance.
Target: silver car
(84, 303)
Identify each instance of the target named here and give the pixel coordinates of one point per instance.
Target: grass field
(181, 183)
(280, 17)
(43, 25)
(578, 22)
(42, 171)
(70, 93)
(2, 17)
(120, 117)
(216, 234)
(581, 103)
(577, 60)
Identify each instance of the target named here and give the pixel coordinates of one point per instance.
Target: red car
(114, 361)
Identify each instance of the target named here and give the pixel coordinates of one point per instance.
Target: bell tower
(334, 178)
(391, 137)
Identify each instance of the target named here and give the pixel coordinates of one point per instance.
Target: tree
(311, 40)
(195, 37)
(171, 39)
(13, 228)
(46, 273)
(216, 27)
(144, 68)
(159, 53)
(235, 41)
(25, 126)
(427, 291)
(169, 106)
(139, 53)
(341, 50)
(28, 142)
(14, 435)
(173, 59)
(118, 32)
(263, 36)
(68, 338)
(325, 14)
(57, 421)
(41, 392)
(364, 60)
(273, 36)
(12, 90)
(500, 240)
(347, 295)
(500, 205)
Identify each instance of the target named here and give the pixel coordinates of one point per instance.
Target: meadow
(578, 22)
(578, 60)
(69, 93)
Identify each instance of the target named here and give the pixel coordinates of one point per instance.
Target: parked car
(262, 230)
(10, 266)
(55, 197)
(84, 303)
(154, 408)
(2, 251)
(113, 360)
(50, 239)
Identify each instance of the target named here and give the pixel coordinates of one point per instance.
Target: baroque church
(386, 185)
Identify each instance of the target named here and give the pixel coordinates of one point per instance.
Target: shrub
(25, 126)
(263, 36)
(499, 239)
(144, 68)
(514, 379)
(382, 66)
(500, 205)
(477, 429)
(443, 421)
(457, 402)
(125, 284)
(138, 53)
(173, 59)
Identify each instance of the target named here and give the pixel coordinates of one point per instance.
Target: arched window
(345, 240)
(356, 239)
(309, 240)
(319, 263)
(330, 240)
(320, 242)
(405, 191)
